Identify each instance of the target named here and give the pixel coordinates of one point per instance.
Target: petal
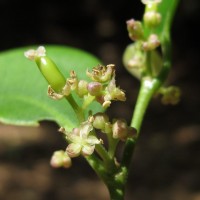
(92, 140)
(73, 138)
(73, 150)
(87, 150)
(85, 129)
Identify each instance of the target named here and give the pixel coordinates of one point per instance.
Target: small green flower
(101, 73)
(101, 121)
(171, 95)
(113, 93)
(81, 141)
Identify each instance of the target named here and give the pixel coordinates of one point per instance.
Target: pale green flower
(113, 93)
(81, 141)
(101, 73)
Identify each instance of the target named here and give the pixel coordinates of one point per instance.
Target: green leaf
(23, 90)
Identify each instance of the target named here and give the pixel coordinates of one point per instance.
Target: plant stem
(112, 144)
(148, 88)
(78, 110)
(103, 154)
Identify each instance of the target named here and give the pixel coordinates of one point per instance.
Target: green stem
(104, 155)
(148, 88)
(113, 183)
(96, 164)
(116, 178)
(79, 112)
(112, 144)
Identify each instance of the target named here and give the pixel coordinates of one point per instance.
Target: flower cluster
(82, 140)
(118, 128)
(170, 95)
(142, 58)
(102, 87)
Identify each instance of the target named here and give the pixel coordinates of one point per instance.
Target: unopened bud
(94, 88)
(73, 150)
(152, 19)
(100, 119)
(60, 159)
(152, 43)
(82, 88)
(120, 130)
(135, 29)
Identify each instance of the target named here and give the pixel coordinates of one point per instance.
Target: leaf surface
(23, 90)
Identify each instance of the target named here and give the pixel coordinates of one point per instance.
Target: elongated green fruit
(51, 73)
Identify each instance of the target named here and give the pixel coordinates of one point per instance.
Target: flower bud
(152, 43)
(73, 150)
(94, 88)
(135, 29)
(120, 130)
(100, 119)
(152, 19)
(60, 159)
(82, 88)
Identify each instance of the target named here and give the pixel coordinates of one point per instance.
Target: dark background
(166, 164)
